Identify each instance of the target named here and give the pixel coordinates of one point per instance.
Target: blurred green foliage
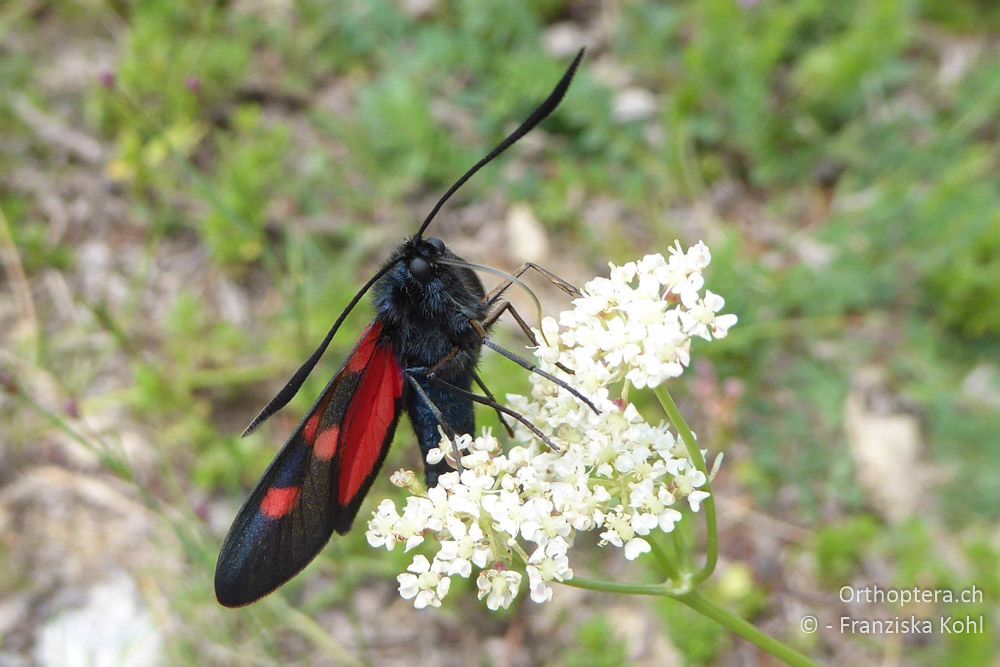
(699, 639)
(296, 147)
(596, 646)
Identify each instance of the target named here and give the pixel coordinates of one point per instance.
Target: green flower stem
(680, 547)
(520, 552)
(616, 586)
(695, 600)
(730, 621)
(694, 452)
(664, 557)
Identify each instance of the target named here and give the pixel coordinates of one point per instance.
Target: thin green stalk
(663, 557)
(18, 280)
(616, 586)
(680, 547)
(694, 452)
(695, 600)
(312, 630)
(734, 623)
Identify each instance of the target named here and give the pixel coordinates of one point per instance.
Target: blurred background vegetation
(191, 191)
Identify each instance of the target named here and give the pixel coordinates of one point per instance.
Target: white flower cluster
(517, 513)
(637, 324)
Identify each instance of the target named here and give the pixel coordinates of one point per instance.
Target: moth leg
(476, 398)
(532, 368)
(498, 291)
(509, 307)
(481, 327)
(445, 360)
(492, 317)
(489, 395)
(451, 355)
(448, 430)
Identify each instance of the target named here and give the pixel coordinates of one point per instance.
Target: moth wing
(318, 480)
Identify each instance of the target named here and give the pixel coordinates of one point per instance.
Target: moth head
(422, 255)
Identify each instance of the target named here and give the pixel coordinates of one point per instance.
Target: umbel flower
(516, 513)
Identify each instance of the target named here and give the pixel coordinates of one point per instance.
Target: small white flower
(636, 547)
(499, 587)
(618, 529)
(548, 563)
(688, 477)
(695, 498)
(701, 319)
(411, 525)
(425, 586)
(382, 526)
(465, 549)
(668, 518)
(540, 523)
(624, 274)
(506, 510)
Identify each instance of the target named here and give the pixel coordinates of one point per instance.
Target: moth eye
(437, 244)
(420, 269)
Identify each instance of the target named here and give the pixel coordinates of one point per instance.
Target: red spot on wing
(279, 501)
(326, 443)
(363, 354)
(309, 432)
(368, 420)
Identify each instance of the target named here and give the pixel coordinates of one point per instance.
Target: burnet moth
(420, 352)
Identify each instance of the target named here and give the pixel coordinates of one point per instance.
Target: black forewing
(296, 506)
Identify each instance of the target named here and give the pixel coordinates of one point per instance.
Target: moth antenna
(295, 383)
(536, 117)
